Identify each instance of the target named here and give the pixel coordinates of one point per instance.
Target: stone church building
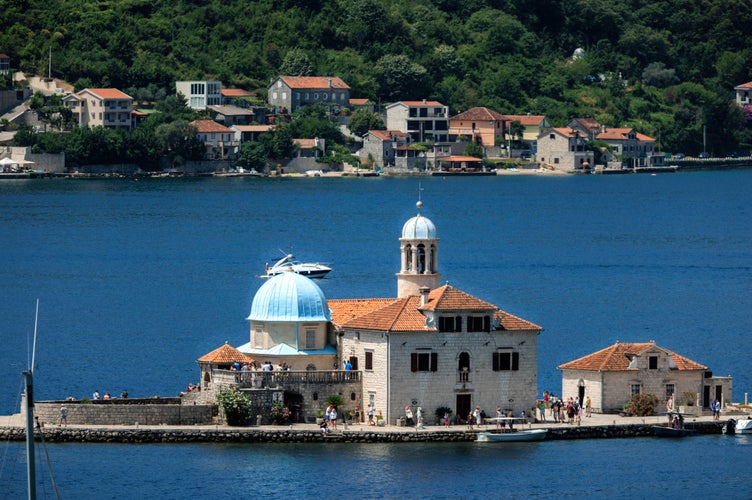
(431, 346)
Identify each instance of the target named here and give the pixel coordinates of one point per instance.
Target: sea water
(137, 279)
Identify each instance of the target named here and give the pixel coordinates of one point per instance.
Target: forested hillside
(680, 59)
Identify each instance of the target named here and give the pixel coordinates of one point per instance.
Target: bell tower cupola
(419, 262)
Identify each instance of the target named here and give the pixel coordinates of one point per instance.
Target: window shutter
(495, 359)
(414, 362)
(369, 360)
(515, 361)
(354, 362)
(434, 361)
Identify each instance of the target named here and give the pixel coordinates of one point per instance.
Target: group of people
(97, 397)
(568, 411)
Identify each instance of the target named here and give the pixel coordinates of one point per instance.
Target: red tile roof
(567, 132)
(386, 135)
(417, 104)
(527, 120)
(360, 102)
(479, 114)
(254, 128)
(108, 93)
(305, 143)
(225, 354)
(210, 127)
(458, 159)
(237, 93)
(314, 82)
(747, 85)
(618, 357)
(404, 314)
(620, 134)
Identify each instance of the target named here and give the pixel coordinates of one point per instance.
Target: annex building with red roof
(611, 376)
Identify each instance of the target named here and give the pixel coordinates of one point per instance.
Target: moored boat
(512, 436)
(665, 431)
(742, 426)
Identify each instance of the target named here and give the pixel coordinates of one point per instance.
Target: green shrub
(641, 405)
(441, 410)
(235, 406)
(335, 400)
(280, 414)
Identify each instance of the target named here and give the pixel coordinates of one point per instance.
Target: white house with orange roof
(295, 92)
(107, 107)
(635, 149)
(611, 376)
(219, 140)
(431, 346)
(744, 94)
(564, 149)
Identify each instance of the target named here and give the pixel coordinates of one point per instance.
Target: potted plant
(319, 417)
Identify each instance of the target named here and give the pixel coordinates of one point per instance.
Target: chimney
(423, 295)
(330, 83)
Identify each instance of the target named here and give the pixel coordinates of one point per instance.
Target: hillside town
(419, 137)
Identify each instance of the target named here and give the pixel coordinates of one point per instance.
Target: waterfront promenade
(596, 427)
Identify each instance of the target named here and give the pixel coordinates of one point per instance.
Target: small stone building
(611, 376)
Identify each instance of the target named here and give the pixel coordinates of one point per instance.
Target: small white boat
(513, 436)
(742, 426)
(289, 263)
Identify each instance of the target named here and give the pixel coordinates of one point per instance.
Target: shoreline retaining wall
(223, 434)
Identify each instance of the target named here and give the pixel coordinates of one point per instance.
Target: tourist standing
(715, 406)
(333, 417)
(588, 410)
(476, 416)
(419, 416)
(63, 416)
(95, 396)
(370, 415)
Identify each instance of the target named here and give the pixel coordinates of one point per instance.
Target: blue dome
(419, 228)
(289, 297)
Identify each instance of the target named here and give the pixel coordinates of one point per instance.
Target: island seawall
(306, 433)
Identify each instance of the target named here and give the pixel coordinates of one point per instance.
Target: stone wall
(119, 412)
(256, 435)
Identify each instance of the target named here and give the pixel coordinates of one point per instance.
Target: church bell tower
(419, 262)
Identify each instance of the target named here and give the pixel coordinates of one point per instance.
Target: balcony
(284, 379)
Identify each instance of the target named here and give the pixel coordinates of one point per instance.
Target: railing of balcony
(261, 379)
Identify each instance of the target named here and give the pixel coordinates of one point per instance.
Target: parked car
(704, 154)
(679, 156)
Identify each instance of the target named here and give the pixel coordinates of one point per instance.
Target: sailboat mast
(29, 380)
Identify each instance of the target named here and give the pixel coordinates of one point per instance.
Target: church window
(463, 366)
(506, 361)
(423, 361)
(310, 339)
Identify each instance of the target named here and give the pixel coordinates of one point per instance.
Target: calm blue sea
(137, 279)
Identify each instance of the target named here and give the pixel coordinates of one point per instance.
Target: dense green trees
(513, 56)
